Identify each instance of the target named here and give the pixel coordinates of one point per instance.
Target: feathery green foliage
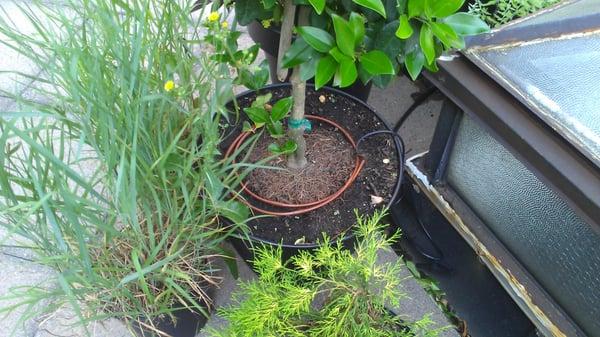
(110, 170)
(499, 12)
(329, 293)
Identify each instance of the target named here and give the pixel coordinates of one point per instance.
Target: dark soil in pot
(378, 178)
(268, 39)
(331, 161)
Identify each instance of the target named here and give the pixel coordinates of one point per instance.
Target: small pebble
(336, 212)
(322, 99)
(386, 161)
(297, 217)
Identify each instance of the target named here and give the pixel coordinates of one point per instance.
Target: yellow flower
(169, 85)
(266, 23)
(224, 24)
(214, 16)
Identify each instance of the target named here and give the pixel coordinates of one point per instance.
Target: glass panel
(558, 80)
(558, 248)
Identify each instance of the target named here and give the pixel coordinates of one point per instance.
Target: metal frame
(547, 154)
(554, 160)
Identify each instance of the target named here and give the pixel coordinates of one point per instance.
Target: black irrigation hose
(438, 255)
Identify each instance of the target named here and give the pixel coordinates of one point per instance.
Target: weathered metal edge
(535, 303)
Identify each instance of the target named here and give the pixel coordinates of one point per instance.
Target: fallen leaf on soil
(376, 200)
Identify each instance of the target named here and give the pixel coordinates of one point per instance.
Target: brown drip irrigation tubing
(306, 207)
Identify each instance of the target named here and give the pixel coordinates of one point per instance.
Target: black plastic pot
(268, 39)
(189, 322)
(244, 243)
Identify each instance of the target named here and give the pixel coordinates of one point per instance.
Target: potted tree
(328, 293)
(109, 172)
(339, 166)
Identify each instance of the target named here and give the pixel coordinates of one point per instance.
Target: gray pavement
(16, 270)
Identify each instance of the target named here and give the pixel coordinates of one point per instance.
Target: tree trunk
(297, 160)
(285, 38)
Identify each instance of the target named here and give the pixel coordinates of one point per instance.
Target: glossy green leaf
(318, 5)
(257, 115)
(344, 35)
(357, 23)
(446, 35)
(281, 108)
(432, 67)
(326, 68)
(347, 73)
(288, 147)
(465, 24)
(261, 100)
(442, 8)
(338, 55)
(235, 211)
(364, 75)
(427, 44)
(382, 81)
(308, 69)
(246, 127)
(276, 129)
(415, 8)
(414, 63)
(383, 37)
(375, 5)
(257, 79)
(230, 259)
(214, 186)
(267, 4)
(404, 30)
(247, 11)
(377, 62)
(298, 53)
(316, 38)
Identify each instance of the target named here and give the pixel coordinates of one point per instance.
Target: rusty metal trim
(546, 315)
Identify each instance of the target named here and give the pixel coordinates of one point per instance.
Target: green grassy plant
(109, 171)
(329, 293)
(499, 12)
